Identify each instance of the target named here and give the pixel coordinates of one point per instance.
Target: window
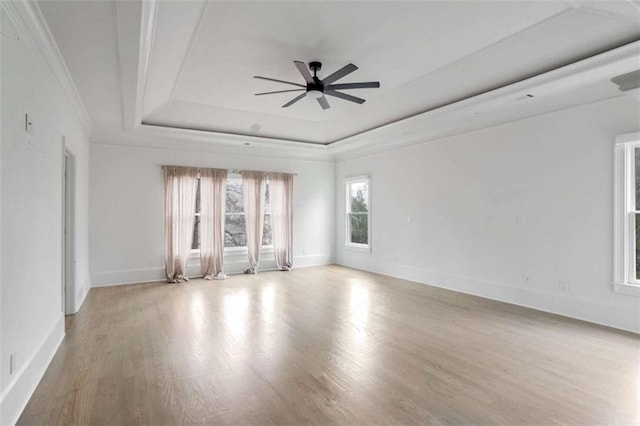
(358, 231)
(634, 213)
(234, 227)
(195, 244)
(235, 234)
(627, 215)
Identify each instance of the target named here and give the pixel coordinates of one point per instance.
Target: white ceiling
(195, 70)
(92, 60)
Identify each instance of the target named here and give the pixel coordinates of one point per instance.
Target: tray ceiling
(196, 70)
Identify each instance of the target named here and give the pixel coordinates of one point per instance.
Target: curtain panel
(254, 188)
(213, 192)
(180, 185)
(281, 199)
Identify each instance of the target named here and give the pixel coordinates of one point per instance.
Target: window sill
(362, 248)
(624, 288)
(233, 251)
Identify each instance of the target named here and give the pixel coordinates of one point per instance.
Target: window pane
(235, 203)
(359, 195)
(267, 202)
(235, 234)
(234, 230)
(266, 230)
(196, 234)
(198, 197)
(637, 168)
(359, 228)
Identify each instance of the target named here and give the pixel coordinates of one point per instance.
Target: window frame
(624, 258)
(347, 188)
(240, 249)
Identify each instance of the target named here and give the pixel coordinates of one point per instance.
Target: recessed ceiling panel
(393, 43)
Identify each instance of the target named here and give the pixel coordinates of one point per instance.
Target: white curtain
(213, 193)
(180, 185)
(253, 188)
(281, 199)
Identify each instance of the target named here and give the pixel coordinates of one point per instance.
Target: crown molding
(147, 32)
(154, 137)
(134, 26)
(31, 25)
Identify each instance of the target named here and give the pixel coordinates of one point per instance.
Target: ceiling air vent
(628, 81)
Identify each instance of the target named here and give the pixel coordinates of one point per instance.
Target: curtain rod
(234, 171)
(238, 171)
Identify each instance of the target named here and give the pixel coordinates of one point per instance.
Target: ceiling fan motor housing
(317, 85)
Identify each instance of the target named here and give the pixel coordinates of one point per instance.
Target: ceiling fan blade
(344, 96)
(279, 91)
(294, 100)
(367, 85)
(302, 67)
(323, 102)
(279, 81)
(346, 70)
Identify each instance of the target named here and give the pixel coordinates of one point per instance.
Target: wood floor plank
(330, 345)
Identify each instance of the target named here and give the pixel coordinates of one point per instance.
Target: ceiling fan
(316, 88)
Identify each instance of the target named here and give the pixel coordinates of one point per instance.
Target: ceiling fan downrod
(315, 89)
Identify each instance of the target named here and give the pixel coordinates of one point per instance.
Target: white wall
(32, 323)
(127, 209)
(467, 195)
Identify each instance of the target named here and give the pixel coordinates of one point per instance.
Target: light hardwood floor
(330, 345)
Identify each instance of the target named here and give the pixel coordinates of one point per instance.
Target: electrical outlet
(563, 286)
(520, 220)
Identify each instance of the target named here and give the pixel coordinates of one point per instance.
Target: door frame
(68, 285)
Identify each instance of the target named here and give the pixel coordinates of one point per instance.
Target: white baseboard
(312, 260)
(127, 276)
(546, 301)
(26, 379)
(145, 275)
(79, 302)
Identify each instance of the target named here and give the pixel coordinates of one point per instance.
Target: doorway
(68, 230)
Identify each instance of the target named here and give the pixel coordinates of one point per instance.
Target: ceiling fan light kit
(317, 89)
(314, 94)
